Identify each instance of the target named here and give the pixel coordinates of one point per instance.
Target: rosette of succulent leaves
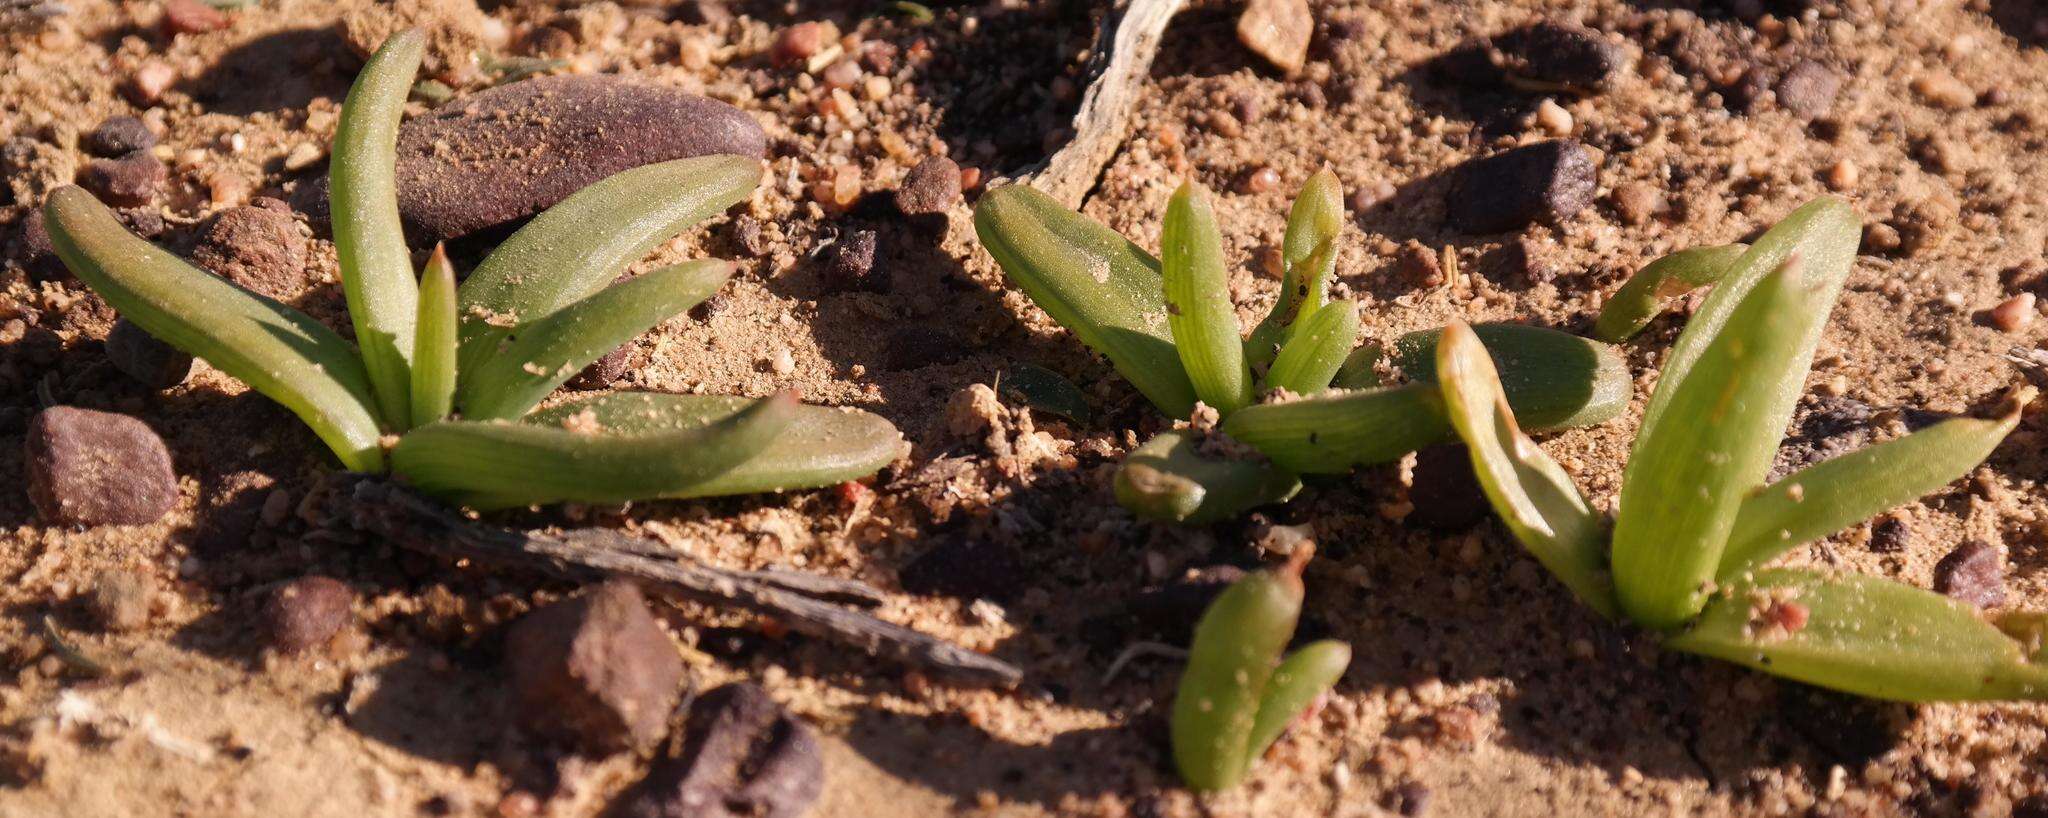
(440, 383)
(1687, 551)
(1299, 395)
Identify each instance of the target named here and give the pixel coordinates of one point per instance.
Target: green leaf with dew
(1863, 635)
(369, 241)
(1334, 432)
(275, 349)
(1534, 496)
(1317, 350)
(433, 361)
(1301, 678)
(1553, 379)
(546, 353)
(1236, 645)
(1170, 479)
(573, 249)
(1097, 284)
(1653, 289)
(1198, 309)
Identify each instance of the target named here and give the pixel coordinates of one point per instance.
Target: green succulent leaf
(1171, 480)
(1198, 309)
(1843, 491)
(1309, 252)
(1553, 379)
(1653, 289)
(1317, 350)
(573, 249)
(1335, 432)
(499, 463)
(1361, 367)
(821, 445)
(1097, 284)
(1534, 496)
(1236, 645)
(1044, 391)
(546, 353)
(1296, 684)
(275, 349)
(369, 241)
(433, 363)
(1824, 233)
(1689, 474)
(1863, 635)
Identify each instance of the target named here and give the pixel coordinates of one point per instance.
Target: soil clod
(1552, 56)
(87, 467)
(132, 180)
(595, 669)
(930, 188)
(256, 247)
(850, 263)
(120, 599)
(305, 613)
(1808, 89)
(117, 136)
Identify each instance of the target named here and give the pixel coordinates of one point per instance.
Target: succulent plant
(1169, 327)
(440, 380)
(1237, 695)
(1685, 555)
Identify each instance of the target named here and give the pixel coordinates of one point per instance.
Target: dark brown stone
(743, 757)
(33, 249)
(601, 372)
(129, 181)
(97, 468)
(117, 136)
(1808, 89)
(1445, 491)
(1547, 56)
(595, 669)
(1547, 182)
(495, 157)
(931, 188)
(307, 612)
(1973, 573)
(141, 356)
(256, 247)
(1890, 535)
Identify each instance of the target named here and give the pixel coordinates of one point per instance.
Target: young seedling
(1686, 552)
(1236, 694)
(1169, 326)
(534, 313)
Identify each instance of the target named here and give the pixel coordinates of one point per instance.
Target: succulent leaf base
(452, 373)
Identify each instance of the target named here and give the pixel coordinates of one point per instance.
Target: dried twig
(1121, 61)
(414, 522)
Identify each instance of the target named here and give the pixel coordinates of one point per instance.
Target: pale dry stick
(408, 520)
(1117, 69)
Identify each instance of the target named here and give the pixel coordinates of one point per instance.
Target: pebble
(505, 153)
(1890, 535)
(841, 74)
(1417, 265)
(1278, 31)
(796, 44)
(1842, 175)
(87, 467)
(191, 17)
(1553, 118)
(120, 599)
(33, 249)
(140, 356)
(257, 247)
(147, 85)
(595, 669)
(1973, 573)
(305, 613)
(1445, 491)
(743, 756)
(1557, 56)
(932, 187)
(1262, 180)
(1547, 181)
(1808, 89)
(118, 135)
(850, 263)
(1942, 90)
(2013, 314)
(1637, 203)
(966, 568)
(128, 181)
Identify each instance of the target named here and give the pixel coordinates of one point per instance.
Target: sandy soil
(1479, 687)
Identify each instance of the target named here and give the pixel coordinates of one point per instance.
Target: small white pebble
(1553, 118)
